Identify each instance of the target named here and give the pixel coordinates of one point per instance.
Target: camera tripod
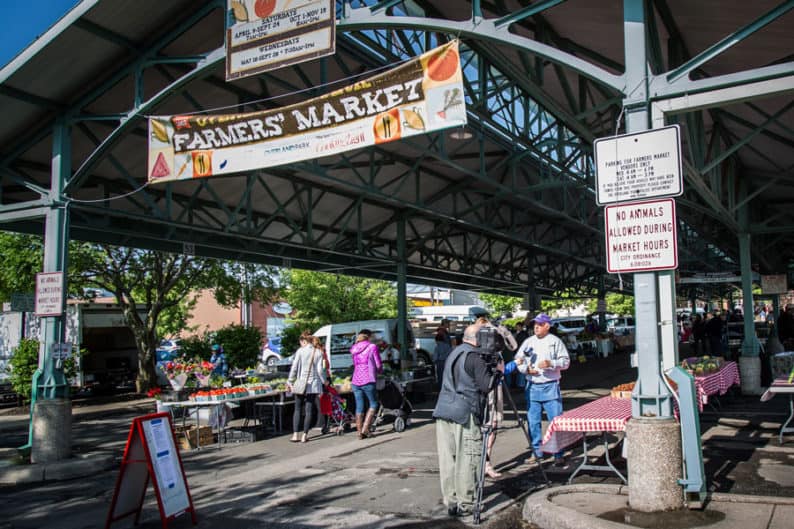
(487, 429)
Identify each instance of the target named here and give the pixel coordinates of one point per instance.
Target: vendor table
(782, 385)
(716, 383)
(601, 416)
(217, 406)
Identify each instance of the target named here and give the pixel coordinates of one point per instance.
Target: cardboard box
(191, 437)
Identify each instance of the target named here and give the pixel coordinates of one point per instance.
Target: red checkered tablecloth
(606, 414)
(716, 383)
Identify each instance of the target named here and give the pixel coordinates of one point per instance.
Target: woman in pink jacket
(366, 366)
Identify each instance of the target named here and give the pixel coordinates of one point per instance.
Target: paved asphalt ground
(388, 481)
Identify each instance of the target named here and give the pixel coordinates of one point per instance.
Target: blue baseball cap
(542, 318)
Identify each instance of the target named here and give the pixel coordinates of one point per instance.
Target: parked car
(268, 356)
(570, 324)
(621, 325)
(168, 350)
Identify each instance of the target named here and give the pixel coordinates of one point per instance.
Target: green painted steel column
(402, 300)
(750, 342)
(52, 383)
(50, 423)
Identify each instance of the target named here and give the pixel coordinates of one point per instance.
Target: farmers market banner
(422, 95)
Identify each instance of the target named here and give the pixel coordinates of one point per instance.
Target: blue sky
(24, 20)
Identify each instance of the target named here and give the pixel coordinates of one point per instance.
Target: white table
(216, 404)
(782, 385)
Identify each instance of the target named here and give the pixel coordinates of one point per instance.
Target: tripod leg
(486, 433)
(524, 429)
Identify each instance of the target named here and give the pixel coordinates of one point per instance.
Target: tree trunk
(147, 374)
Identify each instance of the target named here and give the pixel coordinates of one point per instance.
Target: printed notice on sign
(49, 294)
(638, 166)
(270, 34)
(641, 236)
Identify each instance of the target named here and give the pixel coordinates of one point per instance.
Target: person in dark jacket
(699, 334)
(785, 324)
(465, 385)
(715, 326)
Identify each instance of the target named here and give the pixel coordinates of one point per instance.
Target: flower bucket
(178, 382)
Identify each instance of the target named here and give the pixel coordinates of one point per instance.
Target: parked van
(621, 325)
(570, 324)
(338, 338)
(448, 312)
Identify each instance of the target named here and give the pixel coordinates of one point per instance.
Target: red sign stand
(151, 453)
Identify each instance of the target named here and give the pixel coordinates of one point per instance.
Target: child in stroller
(393, 402)
(334, 408)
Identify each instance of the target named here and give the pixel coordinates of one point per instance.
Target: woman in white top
(306, 379)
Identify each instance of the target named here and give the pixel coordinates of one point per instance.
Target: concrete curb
(540, 510)
(77, 467)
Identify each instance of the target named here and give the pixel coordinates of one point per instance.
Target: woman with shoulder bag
(366, 366)
(306, 379)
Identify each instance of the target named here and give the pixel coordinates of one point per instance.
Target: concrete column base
(655, 464)
(750, 373)
(52, 431)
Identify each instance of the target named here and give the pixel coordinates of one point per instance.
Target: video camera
(492, 340)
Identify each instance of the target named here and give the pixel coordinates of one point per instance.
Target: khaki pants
(459, 449)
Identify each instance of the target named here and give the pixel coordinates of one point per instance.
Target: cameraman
(465, 385)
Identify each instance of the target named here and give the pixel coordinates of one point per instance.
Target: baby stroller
(394, 403)
(334, 408)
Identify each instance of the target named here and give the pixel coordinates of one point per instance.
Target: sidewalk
(392, 480)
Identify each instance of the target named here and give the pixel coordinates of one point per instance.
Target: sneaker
(559, 462)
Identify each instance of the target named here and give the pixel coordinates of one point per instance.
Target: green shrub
(242, 345)
(196, 347)
(24, 362)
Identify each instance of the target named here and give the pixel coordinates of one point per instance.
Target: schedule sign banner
(641, 236)
(271, 34)
(419, 96)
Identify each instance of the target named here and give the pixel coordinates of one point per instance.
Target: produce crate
(246, 434)
(191, 437)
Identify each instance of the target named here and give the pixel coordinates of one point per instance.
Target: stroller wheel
(399, 424)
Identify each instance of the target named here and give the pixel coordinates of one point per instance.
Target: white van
(448, 312)
(338, 338)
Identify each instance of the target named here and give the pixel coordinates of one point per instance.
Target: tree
(621, 304)
(319, 298)
(498, 304)
(23, 258)
(163, 286)
(158, 283)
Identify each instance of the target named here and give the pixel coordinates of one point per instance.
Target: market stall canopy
(504, 202)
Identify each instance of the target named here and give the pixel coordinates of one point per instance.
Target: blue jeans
(366, 391)
(542, 397)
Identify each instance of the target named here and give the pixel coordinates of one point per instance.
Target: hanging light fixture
(461, 133)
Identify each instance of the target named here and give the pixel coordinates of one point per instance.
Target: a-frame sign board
(151, 453)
